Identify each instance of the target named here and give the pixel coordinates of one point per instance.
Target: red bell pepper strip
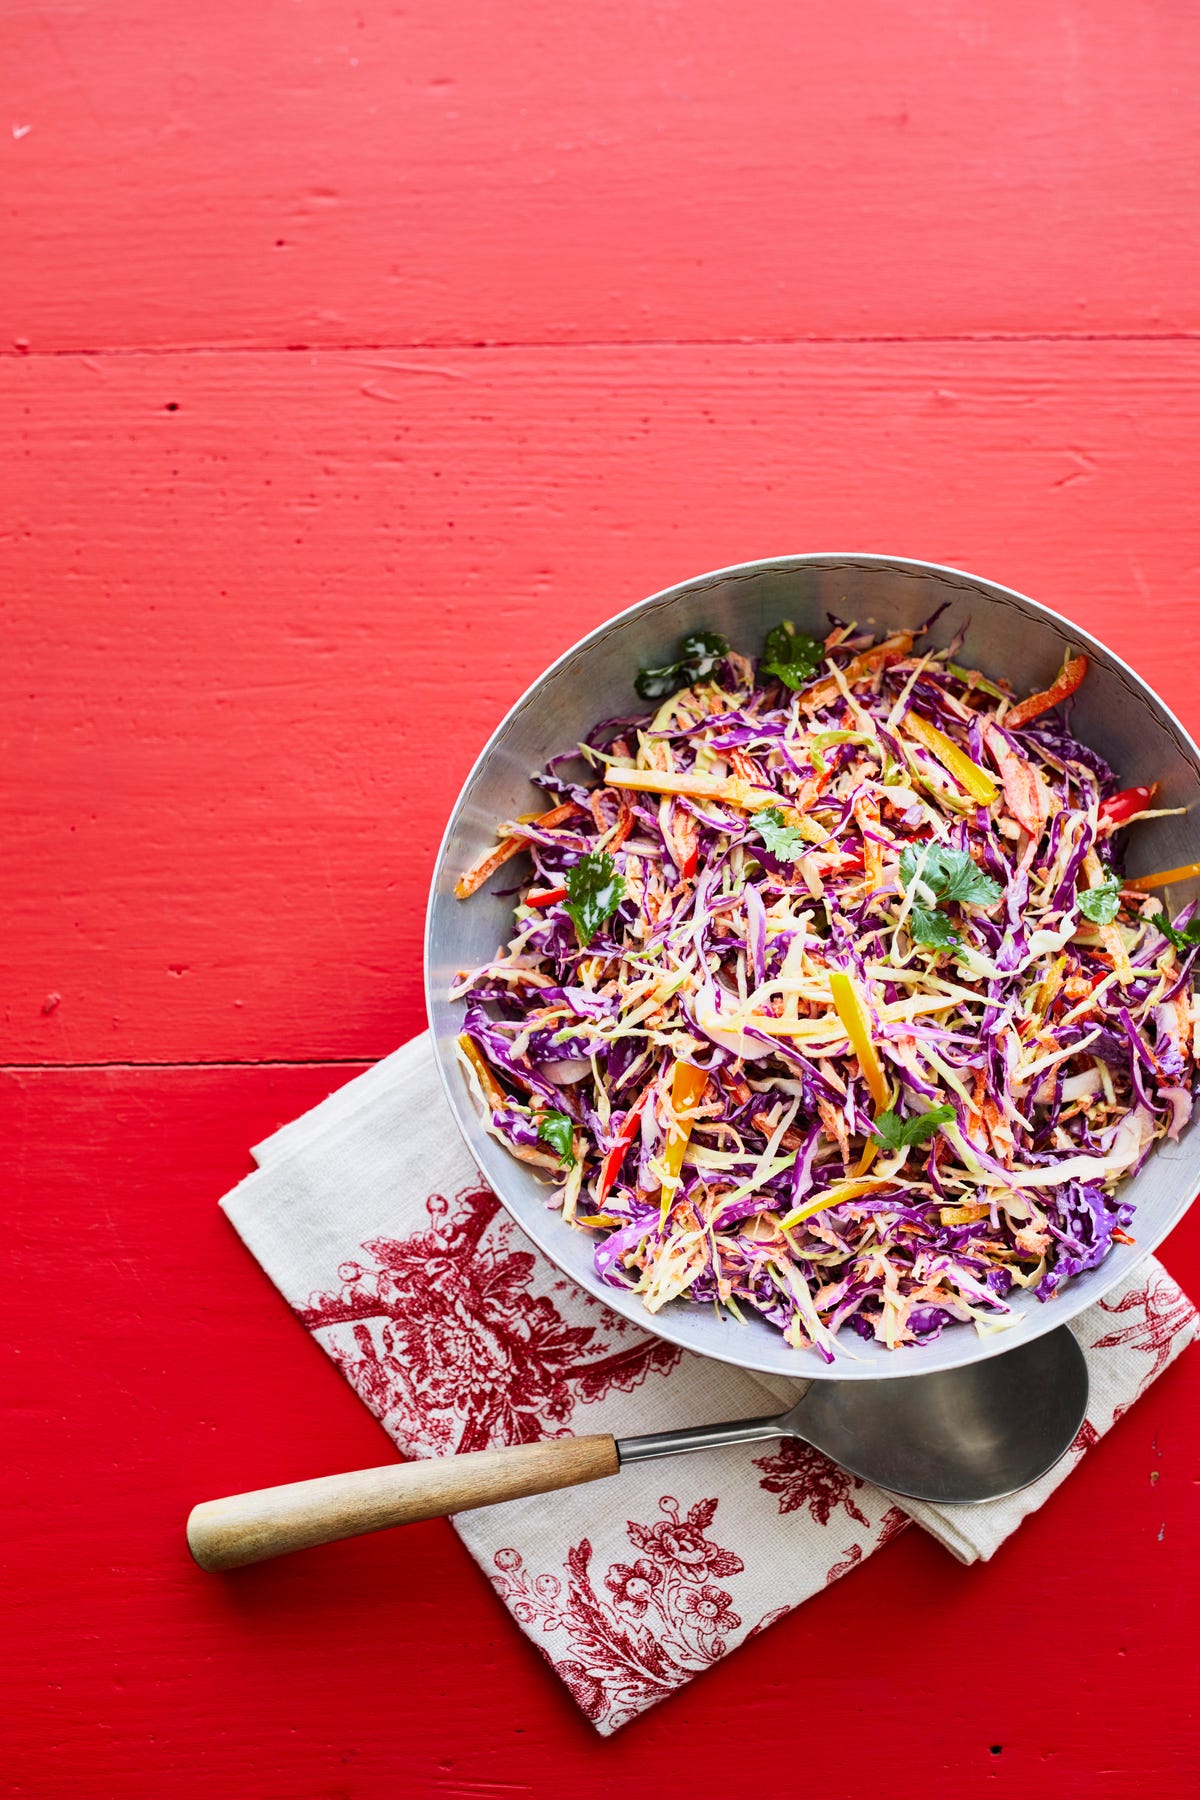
(1073, 672)
(610, 1168)
(685, 834)
(547, 897)
(1125, 805)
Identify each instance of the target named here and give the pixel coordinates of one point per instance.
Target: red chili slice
(1125, 805)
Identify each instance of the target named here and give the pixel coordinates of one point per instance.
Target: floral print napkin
(371, 1219)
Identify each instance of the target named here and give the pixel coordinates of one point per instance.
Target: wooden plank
(341, 173)
(254, 643)
(147, 1355)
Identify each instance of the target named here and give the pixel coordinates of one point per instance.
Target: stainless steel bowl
(1006, 635)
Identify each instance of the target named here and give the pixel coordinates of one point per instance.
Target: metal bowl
(1006, 635)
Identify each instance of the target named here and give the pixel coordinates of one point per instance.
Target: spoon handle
(702, 1437)
(248, 1528)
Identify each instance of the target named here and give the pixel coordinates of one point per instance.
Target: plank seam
(588, 345)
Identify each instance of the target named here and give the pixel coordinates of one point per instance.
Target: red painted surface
(345, 172)
(259, 606)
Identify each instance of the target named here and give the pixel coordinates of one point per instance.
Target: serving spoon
(953, 1438)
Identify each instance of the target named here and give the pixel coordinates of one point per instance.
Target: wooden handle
(247, 1528)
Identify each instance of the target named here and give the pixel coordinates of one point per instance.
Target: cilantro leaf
(699, 654)
(791, 655)
(1101, 903)
(594, 892)
(894, 1133)
(555, 1129)
(781, 839)
(702, 651)
(926, 926)
(949, 875)
(1187, 939)
(959, 878)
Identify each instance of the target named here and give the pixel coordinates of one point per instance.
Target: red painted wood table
(353, 360)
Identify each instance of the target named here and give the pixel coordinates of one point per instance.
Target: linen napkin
(371, 1219)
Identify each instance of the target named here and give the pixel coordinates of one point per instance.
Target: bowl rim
(545, 1235)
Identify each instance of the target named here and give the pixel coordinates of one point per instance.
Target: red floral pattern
(666, 1621)
(633, 1588)
(446, 1340)
(1161, 1311)
(850, 1560)
(802, 1476)
(454, 1338)
(894, 1521)
(1084, 1438)
(681, 1542)
(711, 1606)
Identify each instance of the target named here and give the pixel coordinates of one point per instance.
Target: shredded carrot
(473, 880)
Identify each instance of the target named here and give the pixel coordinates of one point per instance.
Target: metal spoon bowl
(954, 1438)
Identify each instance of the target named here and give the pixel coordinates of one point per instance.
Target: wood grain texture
(145, 1350)
(348, 172)
(249, 1528)
(254, 644)
(259, 608)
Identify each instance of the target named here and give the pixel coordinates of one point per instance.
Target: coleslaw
(826, 998)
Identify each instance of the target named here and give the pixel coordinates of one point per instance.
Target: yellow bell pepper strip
(870, 1152)
(854, 1017)
(687, 1086)
(731, 789)
(1163, 878)
(493, 1093)
(977, 782)
(1048, 987)
(495, 1097)
(833, 1196)
(969, 1214)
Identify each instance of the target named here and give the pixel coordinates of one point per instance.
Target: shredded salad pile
(826, 999)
